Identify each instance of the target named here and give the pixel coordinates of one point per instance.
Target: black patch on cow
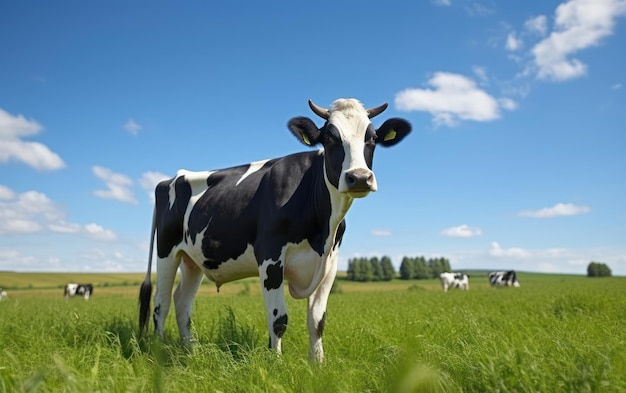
(274, 276)
(280, 326)
(275, 312)
(169, 222)
(370, 145)
(321, 325)
(339, 235)
(334, 153)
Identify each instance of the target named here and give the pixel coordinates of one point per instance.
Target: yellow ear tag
(390, 135)
(305, 139)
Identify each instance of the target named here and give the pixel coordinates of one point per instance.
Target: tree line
(375, 269)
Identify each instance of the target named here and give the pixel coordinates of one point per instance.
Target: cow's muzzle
(360, 182)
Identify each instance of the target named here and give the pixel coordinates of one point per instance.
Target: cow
(279, 219)
(72, 289)
(503, 278)
(3, 294)
(454, 280)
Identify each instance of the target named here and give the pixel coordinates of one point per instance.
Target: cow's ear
(305, 130)
(392, 131)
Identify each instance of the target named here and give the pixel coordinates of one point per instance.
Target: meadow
(557, 333)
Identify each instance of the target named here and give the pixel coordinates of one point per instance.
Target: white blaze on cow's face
(349, 140)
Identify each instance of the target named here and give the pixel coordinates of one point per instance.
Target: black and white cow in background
(279, 219)
(454, 280)
(504, 278)
(72, 289)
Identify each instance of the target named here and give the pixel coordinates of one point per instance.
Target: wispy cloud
(462, 231)
(132, 127)
(537, 25)
(381, 233)
(616, 86)
(579, 24)
(118, 185)
(149, 181)
(451, 99)
(33, 212)
(13, 148)
(513, 43)
(560, 209)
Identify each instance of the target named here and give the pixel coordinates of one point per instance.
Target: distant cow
(504, 278)
(85, 290)
(454, 280)
(281, 219)
(3, 294)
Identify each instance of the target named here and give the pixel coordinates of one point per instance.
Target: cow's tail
(145, 292)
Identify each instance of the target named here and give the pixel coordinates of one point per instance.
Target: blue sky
(516, 159)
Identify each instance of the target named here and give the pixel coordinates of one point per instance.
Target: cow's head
(349, 139)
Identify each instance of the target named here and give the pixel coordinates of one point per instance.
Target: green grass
(556, 333)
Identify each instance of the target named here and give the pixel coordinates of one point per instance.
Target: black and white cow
(454, 280)
(72, 289)
(280, 219)
(504, 278)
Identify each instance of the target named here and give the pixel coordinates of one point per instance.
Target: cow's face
(349, 138)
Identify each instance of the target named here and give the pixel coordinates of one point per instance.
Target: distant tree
(407, 268)
(422, 269)
(389, 272)
(351, 269)
(377, 269)
(598, 269)
(364, 270)
(438, 266)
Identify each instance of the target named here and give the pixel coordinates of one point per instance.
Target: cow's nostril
(359, 179)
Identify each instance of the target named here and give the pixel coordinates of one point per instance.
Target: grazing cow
(84, 290)
(504, 278)
(3, 294)
(279, 219)
(454, 280)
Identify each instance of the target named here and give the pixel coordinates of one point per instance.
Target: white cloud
(538, 25)
(453, 98)
(481, 73)
(514, 253)
(513, 43)
(13, 148)
(560, 209)
(477, 9)
(33, 212)
(95, 231)
(6, 192)
(579, 24)
(149, 181)
(616, 86)
(132, 127)
(462, 231)
(381, 233)
(442, 2)
(507, 103)
(118, 185)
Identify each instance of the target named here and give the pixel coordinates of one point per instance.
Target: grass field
(556, 333)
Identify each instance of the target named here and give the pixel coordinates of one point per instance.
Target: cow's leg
(271, 275)
(190, 279)
(316, 316)
(166, 273)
